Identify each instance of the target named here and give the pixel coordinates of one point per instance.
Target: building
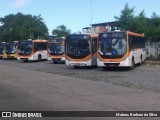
(102, 27)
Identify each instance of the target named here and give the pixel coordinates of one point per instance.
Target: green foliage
(126, 18)
(61, 31)
(20, 27)
(140, 24)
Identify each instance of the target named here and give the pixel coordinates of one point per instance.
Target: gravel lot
(113, 89)
(146, 77)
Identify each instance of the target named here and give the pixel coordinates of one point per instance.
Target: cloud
(19, 3)
(1, 23)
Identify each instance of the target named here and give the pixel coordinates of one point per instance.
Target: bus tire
(39, 58)
(105, 68)
(140, 63)
(25, 60)
(76, 67)
(55, 62)
(132, 64)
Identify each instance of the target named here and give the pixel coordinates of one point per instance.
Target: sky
(76, 14)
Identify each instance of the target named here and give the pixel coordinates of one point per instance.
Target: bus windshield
(1, 48)
(11, 48)
(112, 46)
(25, 47)
(78, 45)
(55, 48)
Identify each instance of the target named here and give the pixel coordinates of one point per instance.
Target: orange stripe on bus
(112, 60)
(83, 59)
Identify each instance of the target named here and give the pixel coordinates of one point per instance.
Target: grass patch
(124, 84)
(148, 62)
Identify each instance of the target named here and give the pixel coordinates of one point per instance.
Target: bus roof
(35, 40)
(90, 34)
(56, 40)
(11, 42)
(40, 40)
(128, 32)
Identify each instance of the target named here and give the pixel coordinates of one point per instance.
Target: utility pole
(91, 13)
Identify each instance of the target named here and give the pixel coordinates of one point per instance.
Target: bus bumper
(1, 56)
(11, 56)
(76, 63)
(56, 59)
(125, 63)
(25, 58)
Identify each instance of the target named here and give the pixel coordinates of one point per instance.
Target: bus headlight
(124, 59)
(49, 51)
(99, 59)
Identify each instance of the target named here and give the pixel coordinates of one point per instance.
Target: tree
(61, 31)
(20, 27)
(154, 27)
(140, 24)
(126, 18)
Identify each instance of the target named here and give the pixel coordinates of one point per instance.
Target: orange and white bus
(80, 50)
(2, 50)
(56, 50)
(120, 49)
(31, 50)
(11, 49)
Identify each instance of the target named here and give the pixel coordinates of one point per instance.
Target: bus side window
(144, 39)
(134, 42)
(44, 46)
(138, 42)
(142, 42)
(40, 46)
(131, 45)
(35, 47)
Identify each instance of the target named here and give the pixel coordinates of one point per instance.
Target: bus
(56, 50)
(80, 50)
(11, 49)
(120, 49)
(2, 50)
(32, 50)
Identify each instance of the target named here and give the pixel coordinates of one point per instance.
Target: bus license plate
(111, 65)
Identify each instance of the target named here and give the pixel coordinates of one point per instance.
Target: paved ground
(145, 77)
(48, 87)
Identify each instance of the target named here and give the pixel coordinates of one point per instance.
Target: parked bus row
(109, 49)
(32, 50)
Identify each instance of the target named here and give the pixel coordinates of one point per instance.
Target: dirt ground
(145, 77)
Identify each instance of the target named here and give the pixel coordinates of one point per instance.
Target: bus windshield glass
(55, 48)
(78, 45)
(1, 48)
(112, 45)
(11, 48)
(25, 47)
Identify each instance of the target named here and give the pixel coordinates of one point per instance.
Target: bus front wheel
(39, 58)
(140, 63)
(55, 62)
(25, 60)
(132, 64)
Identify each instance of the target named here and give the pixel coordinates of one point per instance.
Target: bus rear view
(120, 49)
